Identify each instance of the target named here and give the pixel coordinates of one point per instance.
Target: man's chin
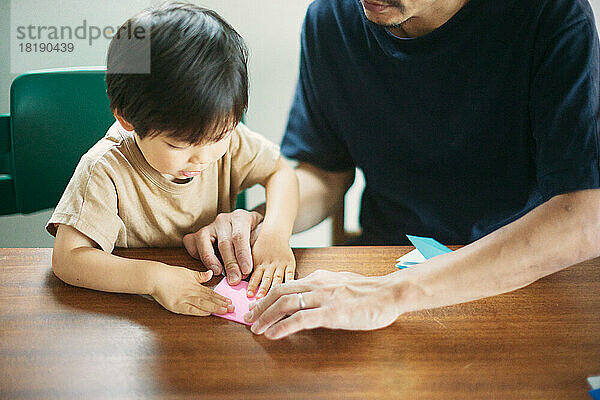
(385, 21)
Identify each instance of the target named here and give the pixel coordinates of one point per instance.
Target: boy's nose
(197, 160)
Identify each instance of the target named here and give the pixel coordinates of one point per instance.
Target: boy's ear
(126, 125)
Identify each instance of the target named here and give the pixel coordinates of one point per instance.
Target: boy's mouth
(189, 174)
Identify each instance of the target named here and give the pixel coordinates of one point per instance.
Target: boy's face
(179, 160)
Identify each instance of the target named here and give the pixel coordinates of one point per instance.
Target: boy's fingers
(278, 277)
(191, 309)
(203, 276)
(289, 273)
(207, 293)
(265, 283)
(218, 299)
(206, 305)
(254, 281)
(215, 298)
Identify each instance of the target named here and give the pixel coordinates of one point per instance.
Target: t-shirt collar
(139, 161)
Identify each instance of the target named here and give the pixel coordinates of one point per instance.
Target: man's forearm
(559, 233)
(321, 192)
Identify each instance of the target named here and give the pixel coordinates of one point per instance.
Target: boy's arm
(272, 257)
(77, 261)
(282, 202)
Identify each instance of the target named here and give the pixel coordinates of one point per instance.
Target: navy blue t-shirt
(460, 131)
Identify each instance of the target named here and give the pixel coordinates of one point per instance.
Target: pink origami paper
(237, 294)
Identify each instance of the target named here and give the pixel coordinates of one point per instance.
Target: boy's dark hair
(197, 88)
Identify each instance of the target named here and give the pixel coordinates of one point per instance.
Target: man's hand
(274, 262)
(335, 300)
(180, 290)
(234, 233)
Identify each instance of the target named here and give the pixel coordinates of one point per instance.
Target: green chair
(55, 117)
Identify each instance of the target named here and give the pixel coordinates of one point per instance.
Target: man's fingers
(240, 227)
(301, 320)
(234, 232)
(263, 304)
(254, 235)
(285, 305)
(256, 217)
(229, 262)
(206, 253)
(256, 220)
(273, 314)
(232, 270)
(189, 242)
(225, 244)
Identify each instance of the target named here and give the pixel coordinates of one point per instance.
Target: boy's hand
(273, 262)
(180, 290)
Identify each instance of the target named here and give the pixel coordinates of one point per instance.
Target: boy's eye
(174, 146)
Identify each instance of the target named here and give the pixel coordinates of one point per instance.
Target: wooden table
(60, 342)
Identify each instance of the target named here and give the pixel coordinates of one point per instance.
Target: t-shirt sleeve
(309, 134)
(564, 109)
(89, 204)
(253, 159)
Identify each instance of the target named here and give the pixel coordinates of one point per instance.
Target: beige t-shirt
(118, 200)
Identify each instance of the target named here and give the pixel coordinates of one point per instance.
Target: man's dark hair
(197, 87)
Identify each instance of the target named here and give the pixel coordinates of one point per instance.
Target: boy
(176, 157)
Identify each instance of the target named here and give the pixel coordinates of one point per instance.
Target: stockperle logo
(69, 33)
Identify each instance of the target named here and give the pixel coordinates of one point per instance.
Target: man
(474, 122)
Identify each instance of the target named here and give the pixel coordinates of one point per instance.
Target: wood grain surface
(62, 342)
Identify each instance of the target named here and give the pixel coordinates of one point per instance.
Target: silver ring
(301, 299)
